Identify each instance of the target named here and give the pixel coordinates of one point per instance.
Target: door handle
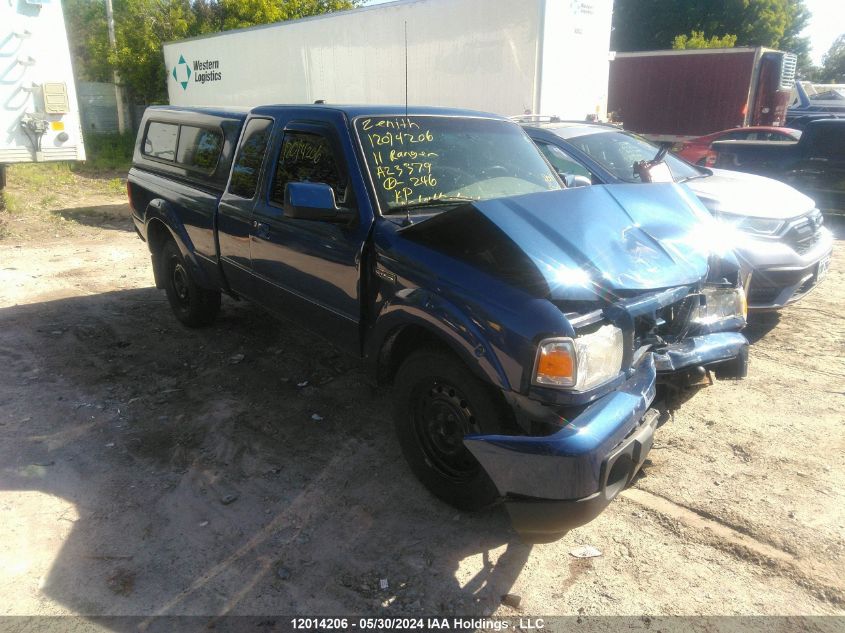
(261, 230)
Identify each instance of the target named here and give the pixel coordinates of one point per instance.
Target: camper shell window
(193, 147)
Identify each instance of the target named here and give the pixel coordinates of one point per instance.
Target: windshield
(418, 161)
(618, 151)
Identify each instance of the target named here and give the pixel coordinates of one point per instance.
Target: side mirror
(653, 171)
(575, 180)
(313, 201)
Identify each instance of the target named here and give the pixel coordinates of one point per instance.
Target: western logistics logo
(182, 72)
(202, 72)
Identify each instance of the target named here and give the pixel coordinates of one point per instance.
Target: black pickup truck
(814, 164)
(523, 327)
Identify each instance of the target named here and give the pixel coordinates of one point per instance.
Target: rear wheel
(437, 401)
(193, 305)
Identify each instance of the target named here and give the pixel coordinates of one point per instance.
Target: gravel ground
(149, 469)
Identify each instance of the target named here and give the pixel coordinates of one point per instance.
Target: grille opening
(788, 65)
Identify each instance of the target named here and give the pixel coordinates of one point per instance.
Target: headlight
(581, 363)
(755, 226)
(720, 304)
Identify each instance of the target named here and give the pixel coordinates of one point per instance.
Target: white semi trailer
(39, 116)
(511, 57)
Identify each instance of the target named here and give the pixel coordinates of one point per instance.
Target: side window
(247, 166)
(160, 141)
(563, 162)
(199, 147)
(829, 141)
(307, 157)
(737, 136)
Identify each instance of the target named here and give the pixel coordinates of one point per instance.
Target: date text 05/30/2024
(417, 624)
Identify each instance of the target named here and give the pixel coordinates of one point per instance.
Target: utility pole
(118, 91)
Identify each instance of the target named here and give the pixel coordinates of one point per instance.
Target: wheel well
(400, 344)
(408, 339)
(157, 236)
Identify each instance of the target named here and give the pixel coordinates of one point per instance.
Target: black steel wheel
(438, 401)
(193, 305)
(441, 417)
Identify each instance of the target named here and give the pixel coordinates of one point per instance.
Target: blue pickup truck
(524, 328)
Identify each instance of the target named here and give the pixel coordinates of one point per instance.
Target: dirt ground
(248, 469)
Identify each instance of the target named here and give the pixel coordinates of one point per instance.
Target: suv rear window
(160, 141)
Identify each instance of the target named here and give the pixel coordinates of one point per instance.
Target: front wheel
(193, 305)
(437, 401)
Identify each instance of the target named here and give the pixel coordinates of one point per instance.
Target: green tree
(697, 40)
(88, 38)
(833, 63)
(654, 24)
(141, 27)
(237, 14)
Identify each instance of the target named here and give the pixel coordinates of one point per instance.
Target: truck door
(310, 270)
(234, 214)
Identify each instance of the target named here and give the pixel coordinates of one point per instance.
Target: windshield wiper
(444, 201)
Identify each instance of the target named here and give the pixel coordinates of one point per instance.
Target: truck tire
(193, 305)
(437, 400)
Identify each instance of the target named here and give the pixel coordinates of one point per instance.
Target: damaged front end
(644, 300)
(584, 447)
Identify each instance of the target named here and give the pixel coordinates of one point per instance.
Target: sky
(827, 23)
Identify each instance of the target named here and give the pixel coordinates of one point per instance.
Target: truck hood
(585, 243)
(740, 194)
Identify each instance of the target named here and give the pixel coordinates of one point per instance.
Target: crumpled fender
(159, 210)
(447, 322)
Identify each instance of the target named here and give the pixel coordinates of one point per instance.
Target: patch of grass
(42, 177)
(48, 200)
(109, 151)
(8, 203)
(45, 198)
(117, 186)
(4, 213)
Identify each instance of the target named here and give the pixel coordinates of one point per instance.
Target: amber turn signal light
(556, 363)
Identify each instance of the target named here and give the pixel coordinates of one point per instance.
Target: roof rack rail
(536, 118)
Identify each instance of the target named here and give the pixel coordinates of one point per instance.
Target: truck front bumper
(557, 482)
(709, 350)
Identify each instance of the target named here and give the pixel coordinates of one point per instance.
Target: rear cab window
(247, 167)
